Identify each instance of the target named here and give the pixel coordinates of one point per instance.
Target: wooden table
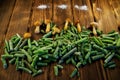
(18, 16)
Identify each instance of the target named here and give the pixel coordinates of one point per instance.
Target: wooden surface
(18, 16)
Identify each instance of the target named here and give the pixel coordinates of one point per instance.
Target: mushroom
(66, 23)
(47, 22)
(94, 26)
(55, 30)
(78, 26)
(37, 27)
(27, 35)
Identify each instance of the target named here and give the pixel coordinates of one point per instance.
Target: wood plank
(104, 14)
(41, 10)
(18, 24)
(6, 10)
(114, 74)
(61, 11)
(82, 11)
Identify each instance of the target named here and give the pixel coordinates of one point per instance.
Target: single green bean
(67, 55)
(38, 72)
(96, 57)
(25, 69)
(75, 71)
(17, 46)
(29, 58)
(56, 70)
(47, 35)
(11, 45)
(109, 58)
(23, 43)
(12, 61)
(4, 62)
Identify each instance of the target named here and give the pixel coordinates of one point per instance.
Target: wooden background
(18, 16)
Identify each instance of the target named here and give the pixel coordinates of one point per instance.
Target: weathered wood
(41, 10)
(82, 11)
(61, 11)
(104, 15)
(18, 24)
(6, 10)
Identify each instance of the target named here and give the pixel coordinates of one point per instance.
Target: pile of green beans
(69, 47)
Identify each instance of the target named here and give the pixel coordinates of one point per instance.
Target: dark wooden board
(18, 16)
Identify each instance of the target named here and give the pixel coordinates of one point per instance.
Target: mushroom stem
(78, 26)
(37, 30)
(55, 30)
(94, 26)
(48, 28)
(94, 31)
(66, 24)
(47, 22)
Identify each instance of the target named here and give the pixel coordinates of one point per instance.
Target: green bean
(109, 58)
(38, 72)
(56, 70)
(25, 69)
(18, 35)
(6, 52)
(118, 56)
(29, 43)
(108, 41)
(7, 45)
(75, 71)
(118, 42)
(112, 66)
(107, 54)
(108, 64)
(16, 40)
(59, 66)
(96, 57)
(17, 46)
(100, 48)
(78, 64)
(36, 43)
(42, 64)
(12, 61)
(29, 58)
(11, 45)
(34, 62)
(47, 35)
(19, 55)
(23, 43)
(56, 52)
(67, 55)
(98, 42)
(29, 66)
(80, 41)
(7, 56)
(40, 51)
(87, 55)
(73, 61)
(108, 38)
(4, 62)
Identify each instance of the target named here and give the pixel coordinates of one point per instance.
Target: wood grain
(61, 11)
(18, 16)
(6, 10)
(18, 24)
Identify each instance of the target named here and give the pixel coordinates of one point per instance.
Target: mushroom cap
(68, 19)
(37, 23)
(27, 35)
(95, 24)
(47, 21)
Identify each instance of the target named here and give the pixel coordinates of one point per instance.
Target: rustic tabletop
(18, 16)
